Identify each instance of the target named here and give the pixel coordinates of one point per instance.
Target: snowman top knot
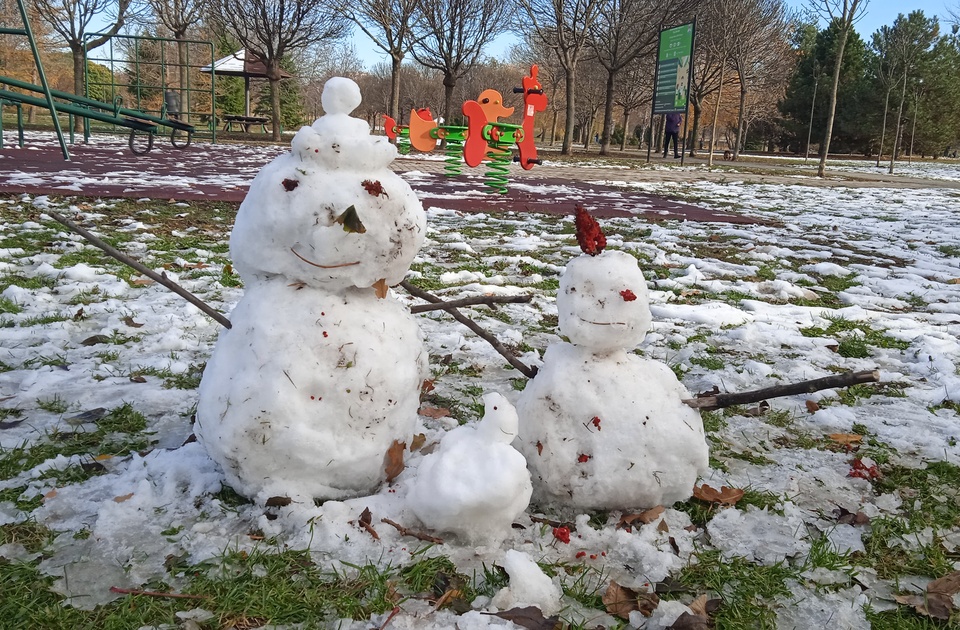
(340, 96)
(337, 140)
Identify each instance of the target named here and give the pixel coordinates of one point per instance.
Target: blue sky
(878, 13)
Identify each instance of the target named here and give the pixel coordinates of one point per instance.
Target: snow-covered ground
(837, 279)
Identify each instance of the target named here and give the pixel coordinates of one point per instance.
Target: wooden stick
(150, 273)
(718, 401)
(469, 301)
(525, 369)
(409, 532)
(128, 591)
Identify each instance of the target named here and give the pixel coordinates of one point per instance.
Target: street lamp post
(916, 110)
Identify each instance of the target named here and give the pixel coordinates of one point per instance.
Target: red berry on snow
(628, 295)
(584, 458)
(562, 534)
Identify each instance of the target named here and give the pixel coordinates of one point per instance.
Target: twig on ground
(489, 300)
(524, 369)
(554, 523)
(129, 591)
(409, 532)
(718, 401)
(150, 273)
(393, 613)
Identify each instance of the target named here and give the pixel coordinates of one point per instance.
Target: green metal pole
(43, 80)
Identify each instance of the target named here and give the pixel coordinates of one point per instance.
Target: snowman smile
(310, 262)
(587, 321)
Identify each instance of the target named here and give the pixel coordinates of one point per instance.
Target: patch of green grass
(839, 283)
(713, 421)
(88, 296)
(8, 306)
(766, 272)
(33, 536)
(188, 379)
(53, 405)
(953, 251)
(889, 558)
(10, 413)
(42, 320)
(710, 362)
(902, 618)
(32, 283)
(88, 256)
(748, 591)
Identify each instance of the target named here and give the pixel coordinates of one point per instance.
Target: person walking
(672, 132)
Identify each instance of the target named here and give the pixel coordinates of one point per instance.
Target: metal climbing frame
(48, 101)
(147, 77)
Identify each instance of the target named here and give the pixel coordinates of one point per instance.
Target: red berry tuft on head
(589, 235)
(628, 295)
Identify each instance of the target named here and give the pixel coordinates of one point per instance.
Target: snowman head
(603, 302)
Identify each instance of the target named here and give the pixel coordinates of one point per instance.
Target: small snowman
(475, 484)
(602, 428)
(321, 370)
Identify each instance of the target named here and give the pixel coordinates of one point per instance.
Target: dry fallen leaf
(812, 407)
(845, 438)
(122, 498)
(949, 584)
(434, 412)
(619, 600)
(529, 617)
(141, 282)
(381, 288)
(50, 494)
(393, 460)
(686, 621)
(645, 517)
(417, 442)
(277, 502)
(936, 605)
(129, 322)
(724, 496)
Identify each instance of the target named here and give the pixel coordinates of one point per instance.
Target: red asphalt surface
(223, 172)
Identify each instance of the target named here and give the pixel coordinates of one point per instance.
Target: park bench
(245, 122)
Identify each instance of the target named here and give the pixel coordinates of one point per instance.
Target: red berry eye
(628, 295)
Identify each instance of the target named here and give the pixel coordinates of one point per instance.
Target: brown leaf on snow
(137, 378)
(381, 288)
(686, 621)
(434, 412)
(936, 605)
(142, 282)
(645, 517)
(277, 502)
(426, 387)
(393, 460)
(417, 442)
(724, 496)
(529, 617)
(844, 439)
(948, 584)
(129, 322)
(122, 498)
(50, 495)
(94, 340)
(619, 600)
(812, 407)
(366, 518)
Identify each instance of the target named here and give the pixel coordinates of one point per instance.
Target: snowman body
(602, 428)
(320, 372)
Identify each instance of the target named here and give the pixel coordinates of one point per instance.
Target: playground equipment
(55, 101)
(484, 138)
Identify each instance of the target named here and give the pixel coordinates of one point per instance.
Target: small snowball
(529, 585)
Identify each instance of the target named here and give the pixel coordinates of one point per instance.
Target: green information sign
(673, 70)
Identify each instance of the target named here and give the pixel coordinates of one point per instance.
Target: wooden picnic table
(229, 120)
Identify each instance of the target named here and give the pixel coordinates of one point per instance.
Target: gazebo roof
(241, 64)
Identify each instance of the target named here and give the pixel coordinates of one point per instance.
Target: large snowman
(600, 427)
(321, 370)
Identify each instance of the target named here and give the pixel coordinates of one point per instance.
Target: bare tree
(179, 16)
(564, 26)
(708, 65)
(760, 43)
(633, 91)
(450, 36)
(722, 43)
(913, 36)
(887, 70)
(844, 13)
(625, 30)
(71, 20)
(389, 25)
(271, 30)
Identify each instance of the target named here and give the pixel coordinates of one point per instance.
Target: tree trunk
(607, 114)
(883, 127)
(395, 63)
(740, 127)
(831, 112)
(449, 83)
(695, 132)
(716, 116)
(896, 137)
(275, 107)
(571, 78)
(626, 128)
(77, 53)
(553, 131)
